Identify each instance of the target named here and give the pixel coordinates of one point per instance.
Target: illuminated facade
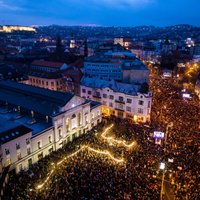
(47, 75)
(34, 122)
(10, 29)
(119, 99)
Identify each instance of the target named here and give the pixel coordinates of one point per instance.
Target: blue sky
(100, 12)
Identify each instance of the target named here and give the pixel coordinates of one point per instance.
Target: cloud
(6, 6)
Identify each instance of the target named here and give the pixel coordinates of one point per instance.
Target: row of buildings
(59, 102)
(109, 78)
(35, 121)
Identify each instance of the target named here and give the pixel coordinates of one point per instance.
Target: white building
(119, 99)
(35, 121)
(119, 66)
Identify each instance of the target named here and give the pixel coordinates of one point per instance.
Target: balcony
(96, 96)
(119, 101)
(120, 109)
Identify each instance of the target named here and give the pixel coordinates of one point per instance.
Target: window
(104, 103)
(141, 103)
(129, 100)
(111, 97)
(7, 151)
(52, 83)
(105, 96)
(129, 116)
(67, 124)
(28, 141)
(17, 146)
(29, 162)
(40, 156)
(121, 99)
(20, 167)
(47, 83)
(83, 90)
(110, 104)
(39, 145)
(50, 140)
(98, 94)
(19, 156)
(89, 92)
(50, 150)
(149, 104)
(128, 109)
(140, 110)
(121, 107)
(8, 161)
(28, 150)
(60, 133)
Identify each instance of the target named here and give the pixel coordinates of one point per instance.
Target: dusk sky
(100, 12)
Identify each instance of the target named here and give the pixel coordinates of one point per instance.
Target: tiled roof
(47, 63)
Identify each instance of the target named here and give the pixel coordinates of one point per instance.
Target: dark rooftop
(47, 63)
(13, 133)
(43, 101)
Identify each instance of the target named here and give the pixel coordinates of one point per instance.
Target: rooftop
(47, 63)
(42, 101)
(13, 133)
(11, 119)
(125, 88)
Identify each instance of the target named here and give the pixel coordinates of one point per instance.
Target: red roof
(47, 63)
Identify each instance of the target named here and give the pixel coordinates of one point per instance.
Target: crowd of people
(89, 175)
(92, 176)
(183, 137)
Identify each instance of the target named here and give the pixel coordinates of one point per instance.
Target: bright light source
(158, 134)
(162, 165)
(73, 105)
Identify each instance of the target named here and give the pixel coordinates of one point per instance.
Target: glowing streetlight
(162, 167)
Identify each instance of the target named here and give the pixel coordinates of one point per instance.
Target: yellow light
(111, 139)
(105, 152)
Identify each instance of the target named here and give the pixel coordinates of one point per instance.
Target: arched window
(67, 124)
(73, 116)
(79, 119)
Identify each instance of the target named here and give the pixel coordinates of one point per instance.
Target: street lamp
(162, 167)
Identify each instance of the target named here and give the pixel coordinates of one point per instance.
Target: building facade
(119, 99)
(47, 75)
(35, 121)
(118, 66)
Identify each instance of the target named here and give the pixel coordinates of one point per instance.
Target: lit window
(28, 150)
(39, 145)
(50, 140)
